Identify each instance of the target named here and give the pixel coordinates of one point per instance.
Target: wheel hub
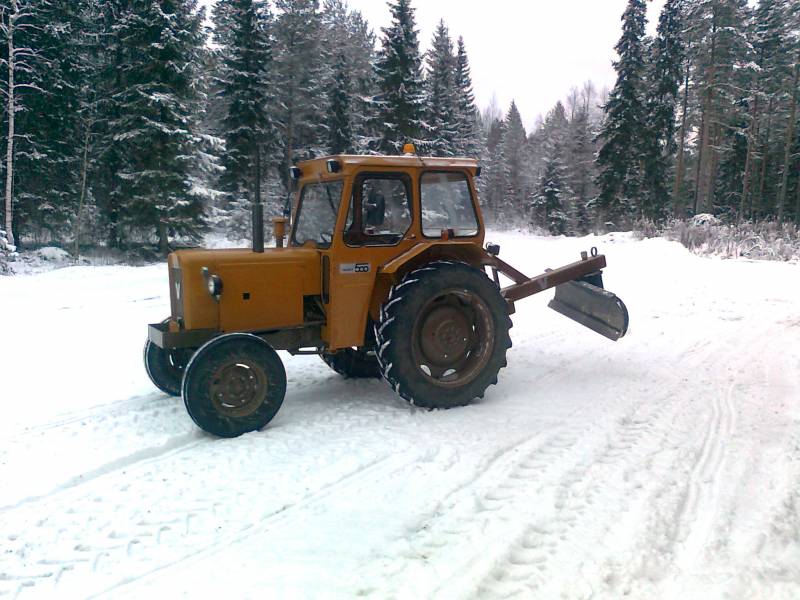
(446, 335)
(238, 389)
(453, 337)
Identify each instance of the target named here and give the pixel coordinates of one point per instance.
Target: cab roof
(406, 160)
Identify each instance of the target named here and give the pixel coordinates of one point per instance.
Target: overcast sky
(532, 51)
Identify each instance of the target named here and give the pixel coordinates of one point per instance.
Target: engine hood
(269, 282)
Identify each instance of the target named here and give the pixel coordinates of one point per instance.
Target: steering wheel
(322, 237)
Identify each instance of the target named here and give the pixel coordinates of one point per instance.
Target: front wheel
(234, 384)
(165, 367)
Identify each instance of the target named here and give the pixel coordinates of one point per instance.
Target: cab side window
(380, 210)
(447, 204)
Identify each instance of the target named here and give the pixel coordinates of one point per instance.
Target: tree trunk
(761, 205)
(748, 163)
(11, 108)
(678, 208)
(787, 148)
(84, 172)
(163, 238)
(704, 162)
(797, 202)
(700, 157)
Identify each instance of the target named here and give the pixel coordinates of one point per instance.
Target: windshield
(447, 204)
(316, 216)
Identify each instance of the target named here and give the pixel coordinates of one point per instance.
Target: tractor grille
(176, 293)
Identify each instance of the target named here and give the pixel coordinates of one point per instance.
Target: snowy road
(666, 465)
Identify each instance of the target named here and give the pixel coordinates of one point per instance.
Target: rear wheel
(353, 363)
(234, 384)
(165, 367)
(443, 335)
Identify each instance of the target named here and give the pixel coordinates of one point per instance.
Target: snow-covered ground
(666, 465)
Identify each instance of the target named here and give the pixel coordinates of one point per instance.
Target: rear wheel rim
(453, 337)
(238, 388)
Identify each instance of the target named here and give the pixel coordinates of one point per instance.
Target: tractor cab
(360, 212)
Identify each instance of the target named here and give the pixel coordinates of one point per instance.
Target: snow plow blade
(592, 307)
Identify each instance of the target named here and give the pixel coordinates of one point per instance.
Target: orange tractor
(384, 274)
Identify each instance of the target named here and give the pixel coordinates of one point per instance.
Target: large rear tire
(443, 335)
(234, 384)
(165, 367)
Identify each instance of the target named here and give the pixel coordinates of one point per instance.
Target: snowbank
(7, 254)
(707, 235)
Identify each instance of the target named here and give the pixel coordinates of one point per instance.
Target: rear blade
(592, 307)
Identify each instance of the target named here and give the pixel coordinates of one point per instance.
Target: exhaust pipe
(258, 227)
(279, 230)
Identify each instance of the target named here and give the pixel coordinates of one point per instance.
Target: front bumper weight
(161, 336)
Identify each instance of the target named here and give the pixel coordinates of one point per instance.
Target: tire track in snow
(599, 482)
(285, 516)
(688, 522)
(470, 506)
(696, 517)
(96, 412)
(52, 551)
(175, 444)
(503, 510)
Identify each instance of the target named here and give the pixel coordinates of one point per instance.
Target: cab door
(378, 225)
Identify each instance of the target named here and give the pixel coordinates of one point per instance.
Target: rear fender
(393, 271)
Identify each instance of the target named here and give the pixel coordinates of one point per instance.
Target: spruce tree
(550, 200)
(515, 166)
(300, 62)
(441, 97)
(492, 181)
(47, 166)
(398, 68)
(620, 158)
(717, 33)
(580, 166)
(340, 128)
(351, 40)
(665, 76)
(149, 110)
(468, 140)
(245, 86)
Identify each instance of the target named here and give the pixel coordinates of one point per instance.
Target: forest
(132, 124)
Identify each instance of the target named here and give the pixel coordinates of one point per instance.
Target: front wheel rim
(238, 388)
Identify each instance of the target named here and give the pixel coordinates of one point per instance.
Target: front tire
(353, 363)
(234, 384)
(165, 367)
(443, 335)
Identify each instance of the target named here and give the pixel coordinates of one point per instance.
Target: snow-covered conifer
(340, 128)
(300, 63)
(152, 91)
(350, 39)
(620, 157)
(664, 80)
(441, 95)
(515, 166)
(468, 140)
(400, 100)
(245, 87)
(551, 193)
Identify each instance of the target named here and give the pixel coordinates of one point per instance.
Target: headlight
(214, 285)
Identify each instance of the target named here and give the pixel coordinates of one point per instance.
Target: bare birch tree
(14, 19)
